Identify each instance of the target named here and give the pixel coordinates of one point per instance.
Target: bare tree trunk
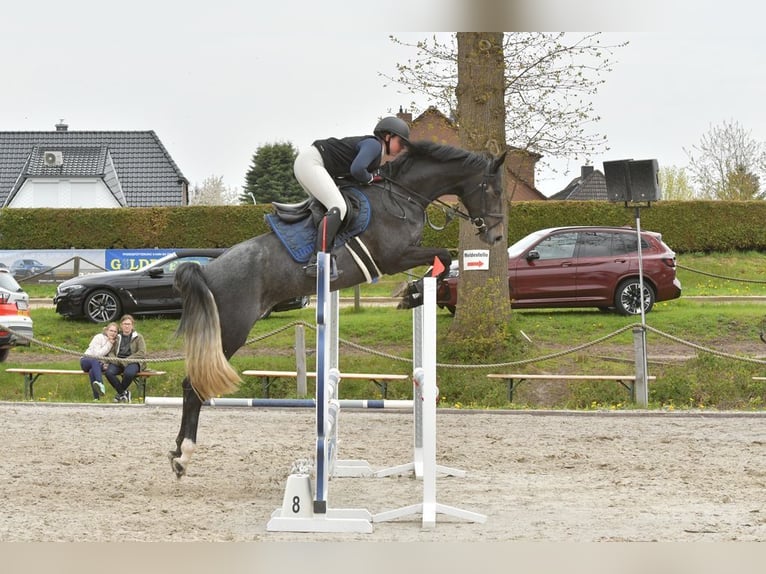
(483, 307)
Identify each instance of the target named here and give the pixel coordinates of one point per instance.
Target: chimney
(585, 171)
(406, 116)
(61, 126)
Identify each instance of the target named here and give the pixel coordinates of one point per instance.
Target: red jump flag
(438, 267)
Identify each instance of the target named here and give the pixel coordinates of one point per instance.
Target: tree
(549, 81)
(728, 163)
(742, 185)
(531, 90)
(270, 177)
(212, 192)
(482, 119)
(674, 183)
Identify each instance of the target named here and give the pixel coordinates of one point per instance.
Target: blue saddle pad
(299, 238)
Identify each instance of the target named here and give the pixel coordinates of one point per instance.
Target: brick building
(434, 126)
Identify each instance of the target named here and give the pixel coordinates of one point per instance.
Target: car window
(558, 246)
(170, 266)
(595, 244)
(9, 283)
(522, 246)
(626, 243)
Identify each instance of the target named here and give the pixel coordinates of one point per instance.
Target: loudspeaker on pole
(633, 181)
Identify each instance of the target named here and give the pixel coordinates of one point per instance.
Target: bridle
(450, 211)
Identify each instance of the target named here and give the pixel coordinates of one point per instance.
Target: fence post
(641, 385)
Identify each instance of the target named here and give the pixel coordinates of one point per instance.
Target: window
(559, 246)
(595, 244)
(625, 243)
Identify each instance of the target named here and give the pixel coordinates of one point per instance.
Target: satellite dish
(53, 158)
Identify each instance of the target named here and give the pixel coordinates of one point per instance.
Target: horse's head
(429, 170)
(482, 196)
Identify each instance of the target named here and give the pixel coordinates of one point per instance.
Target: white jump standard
(303, 510)
(425, 316)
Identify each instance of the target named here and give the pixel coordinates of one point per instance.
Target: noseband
(478, 222)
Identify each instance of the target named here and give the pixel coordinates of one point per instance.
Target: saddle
(295, 224)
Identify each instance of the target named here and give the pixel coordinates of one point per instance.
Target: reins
(450, 211)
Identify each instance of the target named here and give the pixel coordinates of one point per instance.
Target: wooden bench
(380, 379)
(514, 379)
(31, 375)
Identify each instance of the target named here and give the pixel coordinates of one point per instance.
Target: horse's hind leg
(186, 440)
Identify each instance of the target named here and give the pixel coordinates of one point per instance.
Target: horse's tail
(209, 372)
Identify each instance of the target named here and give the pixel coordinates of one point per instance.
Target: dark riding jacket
(356, 156)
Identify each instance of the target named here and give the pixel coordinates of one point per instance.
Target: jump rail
(369, 404)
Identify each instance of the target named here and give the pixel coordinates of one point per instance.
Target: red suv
(578, 267)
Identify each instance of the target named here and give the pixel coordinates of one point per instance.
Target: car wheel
(627, 299)
(102, 306)
(4, 354)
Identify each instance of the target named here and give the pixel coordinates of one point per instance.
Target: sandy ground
(100, 472)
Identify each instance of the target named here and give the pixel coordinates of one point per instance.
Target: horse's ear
(498, 161)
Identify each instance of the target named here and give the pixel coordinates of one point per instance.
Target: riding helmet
(393, 125)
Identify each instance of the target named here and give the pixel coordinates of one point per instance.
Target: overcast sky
(216, 82)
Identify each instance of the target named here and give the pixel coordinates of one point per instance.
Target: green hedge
(687, 226)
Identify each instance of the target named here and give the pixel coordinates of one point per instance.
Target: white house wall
(64, 193)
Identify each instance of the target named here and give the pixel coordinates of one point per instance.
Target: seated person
(129, 345)
(91, 362)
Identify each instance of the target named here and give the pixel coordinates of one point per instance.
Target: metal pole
(641, 387)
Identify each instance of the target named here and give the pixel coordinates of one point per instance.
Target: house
(434, 126)
(591, 184)
(65, 168)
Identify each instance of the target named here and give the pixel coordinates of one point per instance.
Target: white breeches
(311, 174)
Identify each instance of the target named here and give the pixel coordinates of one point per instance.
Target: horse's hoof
(178, 468)
(176, 465)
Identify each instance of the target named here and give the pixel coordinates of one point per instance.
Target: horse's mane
(439, 152)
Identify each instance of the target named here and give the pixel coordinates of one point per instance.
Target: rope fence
(528, 361)
(375, 352)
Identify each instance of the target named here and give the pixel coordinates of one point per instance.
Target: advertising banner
(132, 259)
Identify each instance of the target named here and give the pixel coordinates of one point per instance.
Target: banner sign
(132, 259)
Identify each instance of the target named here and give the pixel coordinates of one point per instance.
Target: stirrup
(310, 268)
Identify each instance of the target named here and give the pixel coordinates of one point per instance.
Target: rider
(319, 166)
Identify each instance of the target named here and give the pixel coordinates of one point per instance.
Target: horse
(222, 300)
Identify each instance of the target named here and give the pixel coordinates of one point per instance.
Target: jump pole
(426, 374)
(366, 404)
(303, 510)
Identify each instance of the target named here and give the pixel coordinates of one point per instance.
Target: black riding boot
(326, 232)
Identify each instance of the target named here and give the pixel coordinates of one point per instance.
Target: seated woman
(91, 362)
(129, 345)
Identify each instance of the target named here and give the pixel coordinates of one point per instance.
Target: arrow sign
(475, 259)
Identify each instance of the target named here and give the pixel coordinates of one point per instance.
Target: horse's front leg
(414, 256)
(186, 440)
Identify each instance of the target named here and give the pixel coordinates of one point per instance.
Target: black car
(105, 296)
